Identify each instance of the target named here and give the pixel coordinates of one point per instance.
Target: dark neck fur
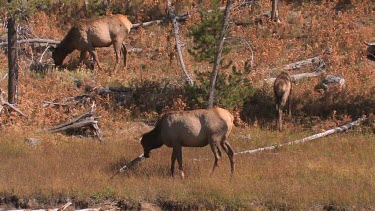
(67, 45)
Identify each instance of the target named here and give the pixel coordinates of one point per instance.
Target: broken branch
(4, 77)
(47, 103)
(4, 102)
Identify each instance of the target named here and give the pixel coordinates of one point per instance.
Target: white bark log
(32, 41)
(299, 64)
(178, 18)
(309, 138)
(126, 167)
(318, 71)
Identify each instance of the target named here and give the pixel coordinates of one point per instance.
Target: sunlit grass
(334, 170)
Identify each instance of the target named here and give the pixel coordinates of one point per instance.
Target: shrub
(232, 89)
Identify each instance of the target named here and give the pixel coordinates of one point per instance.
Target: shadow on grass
(308, 108)
(140, 169)
(259, 109)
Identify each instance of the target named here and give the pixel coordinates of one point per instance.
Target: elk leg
(290, 102)
(125, 53)
(228, 149)
(178, 151)
(82, 57)
(219, 151)
(95, 57)
(216, 155)
(173, 160)
(280, 125)
(118, 47)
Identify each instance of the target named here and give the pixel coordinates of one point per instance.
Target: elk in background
(88, 34)
(282, 88)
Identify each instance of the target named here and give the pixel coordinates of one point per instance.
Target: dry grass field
(332, 173)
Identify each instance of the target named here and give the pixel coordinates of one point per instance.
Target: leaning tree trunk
(216, 68)
(172, 16)
(12, 61)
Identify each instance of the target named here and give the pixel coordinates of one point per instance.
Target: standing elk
(196, 128)
(88, 34)
(282, 88)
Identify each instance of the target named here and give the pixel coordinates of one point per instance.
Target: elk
(89, 34)
(195, 128)
(282, 88)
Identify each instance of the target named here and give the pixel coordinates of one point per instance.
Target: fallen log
(85, 120)
(32, 41)
(309, 138)
(331, 82)
(128, 166)
(178, 18)
(318, 71)
(300, 64)
(317, 60)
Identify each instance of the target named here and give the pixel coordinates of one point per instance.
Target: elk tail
(124, 52)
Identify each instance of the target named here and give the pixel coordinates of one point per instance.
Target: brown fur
(282, 88)
(88, 34)
(196, 128)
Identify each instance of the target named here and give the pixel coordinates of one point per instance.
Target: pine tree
(207, 34)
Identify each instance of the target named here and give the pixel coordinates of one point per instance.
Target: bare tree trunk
(12, 61)
(172, 17)
(275, 11)
(216, 68)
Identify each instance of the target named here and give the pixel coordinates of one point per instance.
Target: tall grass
(335, 170)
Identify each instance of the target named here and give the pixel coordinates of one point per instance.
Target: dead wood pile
(86, 120)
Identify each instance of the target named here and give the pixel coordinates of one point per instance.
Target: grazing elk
(88, 34)
(282, 88)
(196, 128)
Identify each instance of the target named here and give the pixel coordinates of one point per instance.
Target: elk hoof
(182, 175)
